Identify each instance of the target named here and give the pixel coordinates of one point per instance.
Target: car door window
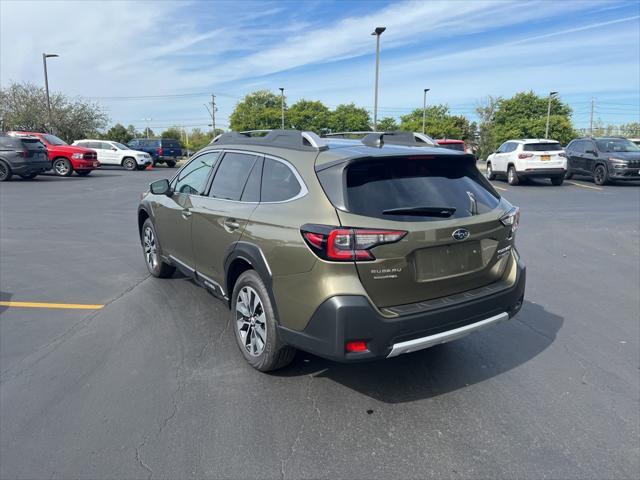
(105, 146)
(93, 145)
(251, 192)
(502, 147)
(192, 179)
(232, 175)
(279, 183)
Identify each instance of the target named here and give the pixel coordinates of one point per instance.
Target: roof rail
(378, 139)
(293, 139)
(420, 139)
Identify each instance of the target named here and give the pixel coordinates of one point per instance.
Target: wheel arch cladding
(242, 256)
(142, 217)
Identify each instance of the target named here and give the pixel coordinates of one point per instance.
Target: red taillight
(347, 244)
(160, 151)
(525, 155)
(356, 347)
(562, 154)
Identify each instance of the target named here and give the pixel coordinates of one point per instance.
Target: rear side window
(192, 178)
(541, 147)
(379, 185)
(232, 175)
(279, 183)
(453, 146)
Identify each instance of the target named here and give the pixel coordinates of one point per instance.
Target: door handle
(186, 214)
(231, 224)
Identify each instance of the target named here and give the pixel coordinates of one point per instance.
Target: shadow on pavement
(4, 297)
(444, 368)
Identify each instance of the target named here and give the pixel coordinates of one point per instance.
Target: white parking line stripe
(584, 186)
(499, 188)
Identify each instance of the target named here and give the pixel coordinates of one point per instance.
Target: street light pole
(546, 132)
(282, 107)
(424, 109)
(377, 32)
(46, 84)
(147, 120)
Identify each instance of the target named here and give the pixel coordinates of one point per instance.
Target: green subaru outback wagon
(349, 249)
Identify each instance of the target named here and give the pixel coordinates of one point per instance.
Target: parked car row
(605, 159)
(82, 157)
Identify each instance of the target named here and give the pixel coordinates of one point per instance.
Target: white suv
(532, 157)
(115, 153)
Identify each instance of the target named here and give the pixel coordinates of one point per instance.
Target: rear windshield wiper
(443, 212)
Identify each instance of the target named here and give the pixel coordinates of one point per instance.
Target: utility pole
(213, 113)
(593, 106)
(377, 32)
(147, 120)
(281, 107)
(424, 109)
(546, 132)
(46, 84)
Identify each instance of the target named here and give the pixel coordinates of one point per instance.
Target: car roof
(448, 140)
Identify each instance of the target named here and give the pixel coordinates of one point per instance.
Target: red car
(65, 159)
(453, 144)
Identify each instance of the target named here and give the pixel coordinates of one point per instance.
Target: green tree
(388, 124)
(308, 115)
(23, 106)
(439, 123)
(525, 115)
(256, 111)
(485, 139)
(172, 132)
(349, 118)
(131, 131)
(630, 130)
(118, 133)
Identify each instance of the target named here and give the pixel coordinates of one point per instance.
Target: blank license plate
(546, 158)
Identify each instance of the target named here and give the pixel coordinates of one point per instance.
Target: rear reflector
(356, 347)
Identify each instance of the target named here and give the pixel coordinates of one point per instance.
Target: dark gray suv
(22, 156)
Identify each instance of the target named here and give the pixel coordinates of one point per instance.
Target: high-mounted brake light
(347, 244)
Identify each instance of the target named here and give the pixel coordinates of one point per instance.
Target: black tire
(512, 176)
(5, 171)
(29, 176)
(62, 167)
(158, 267)
(170, 163)
(600, 175)
(84, 173)
(490, 173)
(568, 175)
(275, 354)
(129, 164)
(557, 181)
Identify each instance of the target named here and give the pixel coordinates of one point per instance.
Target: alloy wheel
(61, 167)
(251, 321)
(599, 175)
(489, 171)
(150, 248)
(4, 172)
(129, 164)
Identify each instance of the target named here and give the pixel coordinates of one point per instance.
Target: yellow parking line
(73, 306)
(584, 186)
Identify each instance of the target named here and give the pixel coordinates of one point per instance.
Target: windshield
(541, 147)
(53, 140)
(617, 145)
(119, 146)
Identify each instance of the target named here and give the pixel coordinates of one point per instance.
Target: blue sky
(462, 50)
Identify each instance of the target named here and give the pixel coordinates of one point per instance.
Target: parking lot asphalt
(152, 385)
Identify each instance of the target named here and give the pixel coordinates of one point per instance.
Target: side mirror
(161, 187)
(114, 149)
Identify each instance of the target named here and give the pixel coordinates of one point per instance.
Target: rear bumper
(543, 172)
(341, 319)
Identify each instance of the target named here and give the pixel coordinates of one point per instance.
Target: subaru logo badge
(461, 234)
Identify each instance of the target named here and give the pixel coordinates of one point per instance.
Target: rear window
(32, 143)
(453, 146)
(379, 185)
(541, 147)
(170, 143)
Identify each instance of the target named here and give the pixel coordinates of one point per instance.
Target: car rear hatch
(543, 155)
(170, 148)
(33, 149)
(448, 217)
